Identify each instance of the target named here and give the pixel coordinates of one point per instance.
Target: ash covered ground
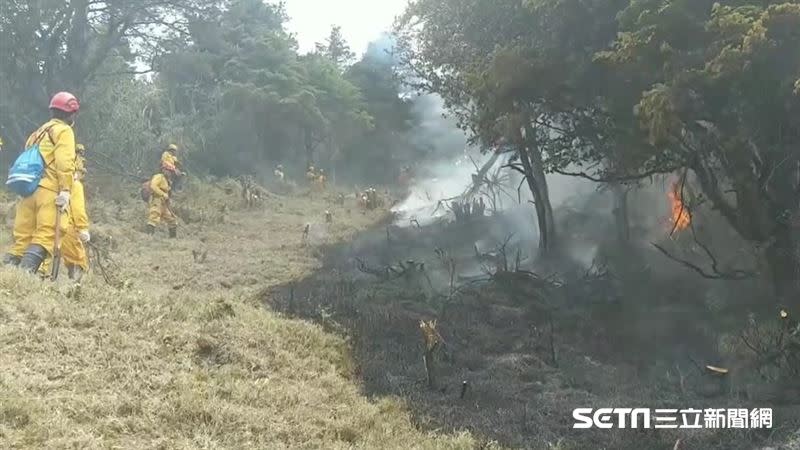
(526, 339)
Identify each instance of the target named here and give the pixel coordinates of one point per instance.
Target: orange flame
(680, 215)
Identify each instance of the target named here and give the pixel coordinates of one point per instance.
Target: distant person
(1, 143)
(321, 180)
(311, 175)
(404, 179)
(36, 214)
(279, 175)
(159, 205)
(170, 158)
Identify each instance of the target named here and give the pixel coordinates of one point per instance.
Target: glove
(62, 200)
(84, 236)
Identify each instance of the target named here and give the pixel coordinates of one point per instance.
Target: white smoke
(436, 182)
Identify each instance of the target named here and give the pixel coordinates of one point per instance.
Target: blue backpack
(26, 172)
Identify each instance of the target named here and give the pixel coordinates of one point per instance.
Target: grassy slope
(185, 357)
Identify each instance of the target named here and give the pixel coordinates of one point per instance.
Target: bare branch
(618, 179)
(126, 72)
(736, 275)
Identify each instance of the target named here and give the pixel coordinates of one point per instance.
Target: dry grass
(185, 356)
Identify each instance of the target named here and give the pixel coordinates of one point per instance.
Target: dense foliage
(631, 88)
(221, 78)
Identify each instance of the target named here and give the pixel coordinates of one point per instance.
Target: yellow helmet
(172, 147)
(80, 148)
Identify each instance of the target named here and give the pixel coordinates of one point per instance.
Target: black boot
(173, 232)
(151, 229)
(11, 260)
(33, 258)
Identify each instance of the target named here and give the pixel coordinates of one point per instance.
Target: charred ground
(534, 339)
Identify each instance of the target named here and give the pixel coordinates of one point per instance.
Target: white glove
(84, 236)
(62, 200)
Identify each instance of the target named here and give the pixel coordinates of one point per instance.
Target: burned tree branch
(389, 272)
(432, 340)
(362, 266)
(736, 275)
(618, 179)
(553, 357)
(503, 252)
(714, 263)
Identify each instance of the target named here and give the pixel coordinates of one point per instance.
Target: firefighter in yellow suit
(36, 215)
(73, 248)
(159, 209)
(75, 230)
(169, 158)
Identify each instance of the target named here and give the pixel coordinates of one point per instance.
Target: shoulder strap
(39, 140)
(41, 135)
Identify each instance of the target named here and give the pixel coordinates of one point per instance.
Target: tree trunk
(544, 196)
(534, 176)
(537, 183)
(308, 140)
(621, 213)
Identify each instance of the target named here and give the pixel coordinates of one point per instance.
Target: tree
(692, 86)
(723, 103)
(120, 128)
(51, 45)
(377, 154)
(341, 106)
(242, 98)
(336, 48)
(514, 71)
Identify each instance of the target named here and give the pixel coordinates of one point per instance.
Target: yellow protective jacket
(159, 185)
(169, 158)
(57, 147)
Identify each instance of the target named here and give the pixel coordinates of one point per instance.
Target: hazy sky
(362, 21)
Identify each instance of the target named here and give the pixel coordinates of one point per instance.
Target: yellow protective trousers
(159, 211)
(73, 251)
(35, 222)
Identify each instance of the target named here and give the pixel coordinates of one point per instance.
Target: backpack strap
(39, 138)
(41, 135)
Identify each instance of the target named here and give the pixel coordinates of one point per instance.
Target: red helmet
(66, 102)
